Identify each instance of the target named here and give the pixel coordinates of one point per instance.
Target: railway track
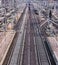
(43, 57)
(18, 24)
(12, 55)
(34, 52)
(28, 47)
(29, 51)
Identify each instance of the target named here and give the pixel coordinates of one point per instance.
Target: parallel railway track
(13, 45)
(42, 55)
(35, 52)
(32, 50)
(29, 54)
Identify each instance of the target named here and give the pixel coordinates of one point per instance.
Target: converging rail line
(28, 47)
(34, 52)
